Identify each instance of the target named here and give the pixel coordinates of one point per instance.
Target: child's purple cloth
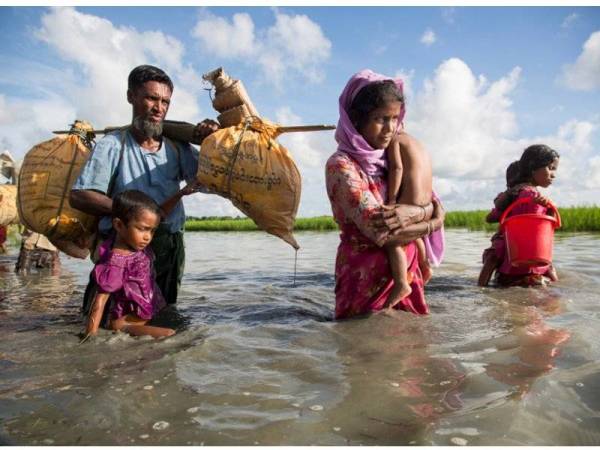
(435, 243)
(130, 280)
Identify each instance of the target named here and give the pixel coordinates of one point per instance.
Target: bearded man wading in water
(141, 158)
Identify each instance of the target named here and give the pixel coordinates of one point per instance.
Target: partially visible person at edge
(357, 187)
(37, 252)
(142, 158)
(536, 167)
(494, 254)
(3, 236)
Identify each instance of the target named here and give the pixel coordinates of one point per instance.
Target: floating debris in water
(393, 383)
(246, 393)
(458, 441)
(337, 429)
(160, 425)
(316, 408)
(296, 405)
(144, 436)
(193, 409)
(579, 384)
(48, 441)
(65, 388)
(149, 387)
(156, 381)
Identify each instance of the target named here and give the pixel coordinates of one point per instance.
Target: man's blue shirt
(158, 174)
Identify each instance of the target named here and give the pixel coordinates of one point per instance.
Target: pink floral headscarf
(350, 141)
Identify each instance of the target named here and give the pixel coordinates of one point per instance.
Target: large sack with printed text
(246, 165)
(8, 205)
(48, 171)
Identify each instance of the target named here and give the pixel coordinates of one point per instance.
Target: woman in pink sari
(356, 186)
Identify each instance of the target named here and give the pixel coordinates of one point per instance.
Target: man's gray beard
(148, 128)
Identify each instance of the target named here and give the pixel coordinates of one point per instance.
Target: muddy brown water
(259, 361)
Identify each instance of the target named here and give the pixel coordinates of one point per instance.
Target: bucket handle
(520, 201)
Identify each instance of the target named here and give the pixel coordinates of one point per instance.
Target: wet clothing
(363, 279)
(130, 281)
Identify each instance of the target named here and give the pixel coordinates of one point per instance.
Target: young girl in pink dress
(536, 168)
(124, 271)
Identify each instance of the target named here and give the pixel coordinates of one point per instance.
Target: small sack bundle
(231, 99)
(48, 171)
(8, 205)
(246, 165)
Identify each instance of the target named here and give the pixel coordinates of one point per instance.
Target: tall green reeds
(577, 218)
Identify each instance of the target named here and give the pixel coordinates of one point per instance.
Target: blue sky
(482, 82)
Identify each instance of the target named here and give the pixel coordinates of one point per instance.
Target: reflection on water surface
(259, 361)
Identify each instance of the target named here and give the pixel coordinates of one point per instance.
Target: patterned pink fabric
(508, 274)
(130, 281)
(362, 274)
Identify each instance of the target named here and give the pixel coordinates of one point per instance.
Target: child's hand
(83, 337)
(542, 200)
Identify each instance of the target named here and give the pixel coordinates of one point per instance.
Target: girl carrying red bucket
(521, 251)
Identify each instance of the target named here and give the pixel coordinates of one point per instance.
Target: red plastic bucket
(529, 237)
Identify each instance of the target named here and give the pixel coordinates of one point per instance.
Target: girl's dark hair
(535, 157)
(371, 97)
(512, 174)
(128, 204)
(145, 73)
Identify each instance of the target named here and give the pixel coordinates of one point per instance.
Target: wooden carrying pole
(189, 127)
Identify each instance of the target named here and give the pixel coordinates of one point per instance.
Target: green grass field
(573, 219)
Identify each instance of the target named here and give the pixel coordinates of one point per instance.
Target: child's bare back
(416, 187)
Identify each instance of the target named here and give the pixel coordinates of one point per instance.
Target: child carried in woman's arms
(124, 271)
(536, 167)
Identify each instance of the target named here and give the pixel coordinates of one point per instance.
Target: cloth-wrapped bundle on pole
(48, 171)
(231, 99)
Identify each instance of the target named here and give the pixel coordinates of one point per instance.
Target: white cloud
(463, 120)
(569, 20)
(469, 127)
(95, 59)
(593, 176)
(105, 54)
(584, 74)
(293, 44)
(310, 151)
(406, 77)
(228, 40)
(428, 38)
